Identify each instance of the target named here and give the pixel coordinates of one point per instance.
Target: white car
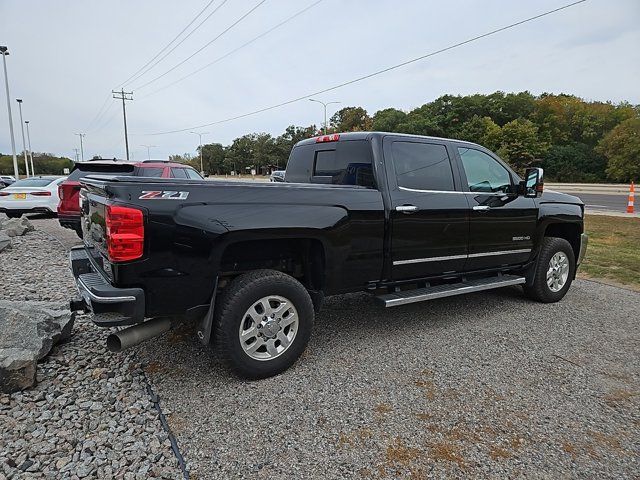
(6, 180)
(31, 195)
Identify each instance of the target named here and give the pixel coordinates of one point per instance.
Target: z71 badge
(163, 195)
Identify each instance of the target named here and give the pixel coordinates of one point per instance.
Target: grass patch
(614, 250)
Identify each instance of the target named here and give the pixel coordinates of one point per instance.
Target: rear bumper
(111, 306)
(33, 209)
(584, 240)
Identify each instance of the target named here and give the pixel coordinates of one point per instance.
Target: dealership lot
(486, 385)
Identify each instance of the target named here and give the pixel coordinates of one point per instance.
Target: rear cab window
(347, 162)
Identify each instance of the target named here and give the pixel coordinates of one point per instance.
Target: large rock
(5, 241)
(15, 227)
(28, 332)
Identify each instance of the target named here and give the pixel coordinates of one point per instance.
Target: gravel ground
(90, 416)
(483, 386)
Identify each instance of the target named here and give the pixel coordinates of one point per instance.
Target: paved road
(603, 202)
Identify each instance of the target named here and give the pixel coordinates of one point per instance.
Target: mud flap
(206, 324)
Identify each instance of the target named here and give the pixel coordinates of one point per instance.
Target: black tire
(13, 214)
(243, 292)
(540, 290)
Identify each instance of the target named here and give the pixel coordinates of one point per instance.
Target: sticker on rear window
(163, 195)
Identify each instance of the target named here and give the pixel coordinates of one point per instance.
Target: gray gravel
(488, 385)
(90, 415)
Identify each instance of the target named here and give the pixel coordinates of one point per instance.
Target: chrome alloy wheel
(558, 271)
(268, 328)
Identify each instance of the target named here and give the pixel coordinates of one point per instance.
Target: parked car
(277, 176)
(6, 180)
(429, 218)
(30, 195)
(69, 209)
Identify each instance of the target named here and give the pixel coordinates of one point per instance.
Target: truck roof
(346, 136)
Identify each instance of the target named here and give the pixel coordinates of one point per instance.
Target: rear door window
(422, 166)
(344, 163)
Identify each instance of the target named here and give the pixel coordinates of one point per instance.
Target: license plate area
(20, 196)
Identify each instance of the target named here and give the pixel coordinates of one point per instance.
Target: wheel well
(569, 231)
(302, 258)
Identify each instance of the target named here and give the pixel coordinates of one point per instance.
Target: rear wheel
(555, 270)
(263, 323)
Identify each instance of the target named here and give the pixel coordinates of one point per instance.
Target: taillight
(125, 233)
(4, 194)
(40, 194)
(60, 192)
(334, 137)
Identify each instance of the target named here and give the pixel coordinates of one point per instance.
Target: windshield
(33, 182)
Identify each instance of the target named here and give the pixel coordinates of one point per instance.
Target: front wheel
(555, 269)
(263, 323)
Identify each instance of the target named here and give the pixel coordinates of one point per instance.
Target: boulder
(29, 330)
(15, 227)
(5, 241)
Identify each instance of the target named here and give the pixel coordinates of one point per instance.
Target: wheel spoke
(254, 346)
(288, 320)
(281, 308)
(247, 334)
(284, 340)
(271, 348)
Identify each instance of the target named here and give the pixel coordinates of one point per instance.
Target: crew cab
(406, 218)
(69, 208)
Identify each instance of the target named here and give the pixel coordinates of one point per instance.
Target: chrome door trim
(458, 257)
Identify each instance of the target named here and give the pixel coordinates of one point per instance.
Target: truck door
(502, 223)
(429, 213)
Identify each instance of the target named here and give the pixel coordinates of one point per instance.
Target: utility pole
(4, 51)
(200, 134)
(33, 172)
(81, 135)
(24, 143)
(149, 147)
(122, 95)
(325, 111)
(76, 154)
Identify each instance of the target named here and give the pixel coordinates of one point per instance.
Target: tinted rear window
(346, 162)
(82, 171)
(422, 166)
(33, 182)
(178, 173)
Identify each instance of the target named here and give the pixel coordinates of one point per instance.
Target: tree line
(574, 140)
(43, 163)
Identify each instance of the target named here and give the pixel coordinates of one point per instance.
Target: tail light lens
(125, 233)
(41, 194)
(61, 192)
(4, 194)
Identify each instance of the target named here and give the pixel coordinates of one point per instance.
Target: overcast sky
(67, 55)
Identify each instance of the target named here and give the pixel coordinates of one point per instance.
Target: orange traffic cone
(632, 191)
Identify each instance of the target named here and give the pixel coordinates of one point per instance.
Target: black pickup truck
(407, 218)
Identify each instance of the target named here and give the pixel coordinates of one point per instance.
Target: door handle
(407, 209)
(482, 208)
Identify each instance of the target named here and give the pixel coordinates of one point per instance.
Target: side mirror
(533, 185)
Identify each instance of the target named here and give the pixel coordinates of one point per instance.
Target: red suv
(69, 207)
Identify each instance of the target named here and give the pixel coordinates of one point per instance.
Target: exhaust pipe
(116, 342)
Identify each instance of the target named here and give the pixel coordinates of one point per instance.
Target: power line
(287, 20)
(204, 46)
(378, 72)
(137, 75)
(101, 112)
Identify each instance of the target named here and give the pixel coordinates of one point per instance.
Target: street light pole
(200, 134)
(24, 143)
(33, 172)
(325, 111)
(81, 135)
(124, 96)
(149, 147)
(4, 51)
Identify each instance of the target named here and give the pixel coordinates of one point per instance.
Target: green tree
(350, 119)
(387, 120)
(481, 130)
(575, 162)
(621, 147)
(521, 145)
(213, 158)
